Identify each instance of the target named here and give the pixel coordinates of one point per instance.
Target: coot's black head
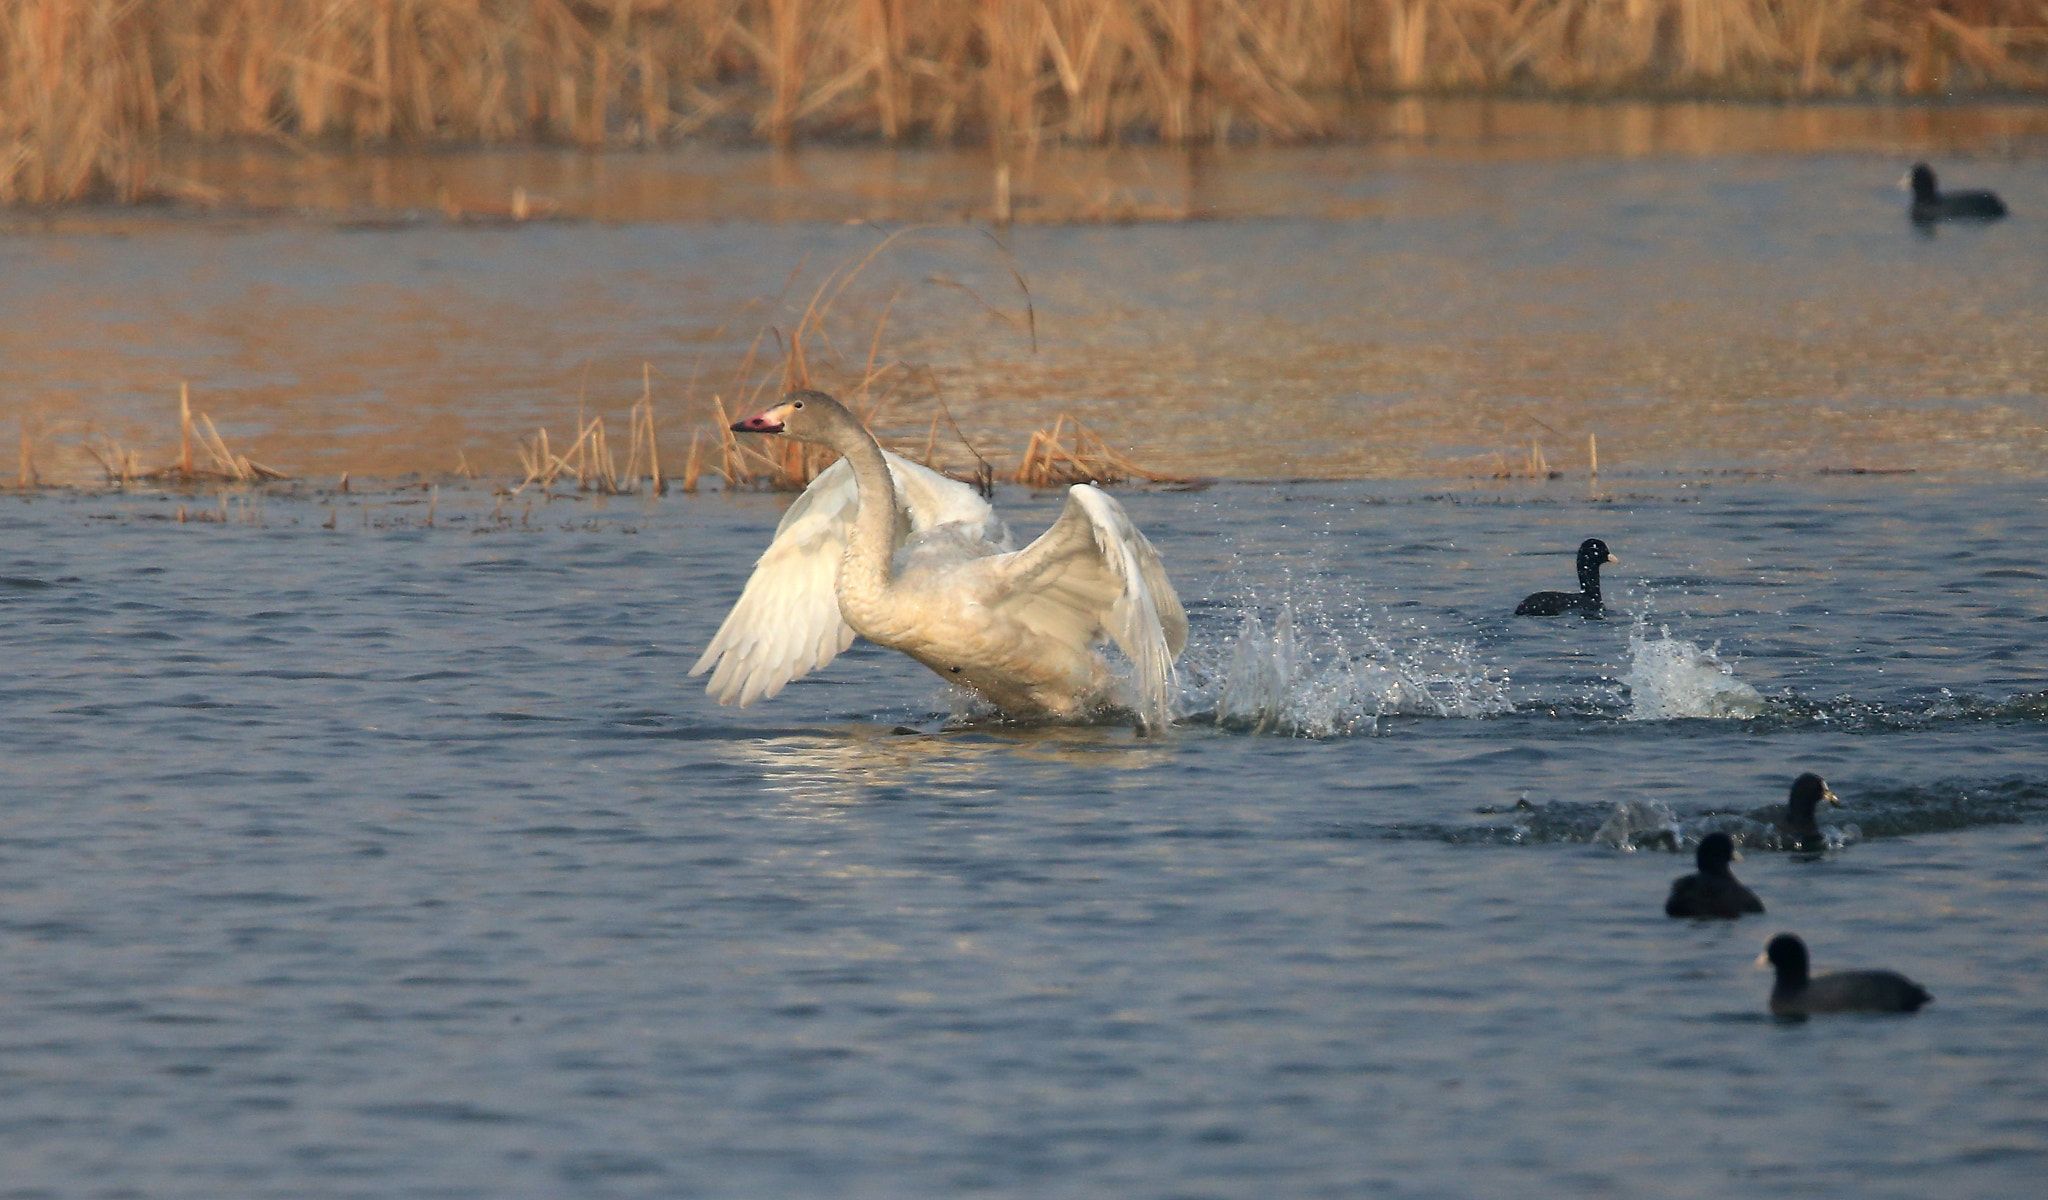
(1592, 552)
(1716, 851)
(1807, 792)
(1924, 187)
(1787, 954)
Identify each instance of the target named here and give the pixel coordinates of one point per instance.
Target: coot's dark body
(1795, 819)
(1799, 994)
(1713, 891)
(1931, 204)
(1586, 601)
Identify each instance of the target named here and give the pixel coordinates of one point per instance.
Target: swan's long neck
(871, 544)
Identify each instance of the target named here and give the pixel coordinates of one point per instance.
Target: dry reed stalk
(692, 466)
(644, 443)
(118, 464)
(1060, 457)
(185, 427)
(1534, 464)
(590, 460)
(123, 466)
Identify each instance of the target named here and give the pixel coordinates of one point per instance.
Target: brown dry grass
(589, 458)
(87, 87)
(122, 465)
(1071, 453)
(203, 455)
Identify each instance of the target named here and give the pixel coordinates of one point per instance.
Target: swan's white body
(901, 555)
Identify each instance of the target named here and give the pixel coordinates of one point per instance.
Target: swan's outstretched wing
(786, 623)
(1093, 574)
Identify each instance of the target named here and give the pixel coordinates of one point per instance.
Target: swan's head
(802, 415)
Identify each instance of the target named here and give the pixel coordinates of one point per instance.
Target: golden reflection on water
(828, 775)
(1466, 288)
(700, 182)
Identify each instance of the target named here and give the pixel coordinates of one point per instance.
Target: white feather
(1093, 574)
(787, 622)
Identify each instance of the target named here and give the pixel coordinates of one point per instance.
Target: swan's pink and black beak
(769, 421)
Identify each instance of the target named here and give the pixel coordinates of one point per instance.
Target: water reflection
(829, 774)
(1051, 182)
(1473, 289)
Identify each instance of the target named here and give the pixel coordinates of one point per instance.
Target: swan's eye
(797, 404)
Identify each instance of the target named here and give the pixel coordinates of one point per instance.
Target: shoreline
(401, 187)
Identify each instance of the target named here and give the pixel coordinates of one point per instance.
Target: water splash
(1670, 678)
(1328, 677)
(1641, 825)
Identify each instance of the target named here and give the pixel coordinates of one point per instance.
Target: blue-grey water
(371, 841)
(348, 855)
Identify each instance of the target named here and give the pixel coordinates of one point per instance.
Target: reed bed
(122, 465)
(89, 87)
(1071, 453)
(1534, 465)
(589, 458)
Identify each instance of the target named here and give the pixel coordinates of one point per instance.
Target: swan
(909, 559)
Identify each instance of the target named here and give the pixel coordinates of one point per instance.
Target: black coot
(1798, 994)
(1714, 891)
(1931, 204)
(1795, 819)
(1592, 552)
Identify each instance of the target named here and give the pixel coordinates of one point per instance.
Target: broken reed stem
(653, 444)
(1050, 461)
(222, 459)
(185, 427)
(590, 460)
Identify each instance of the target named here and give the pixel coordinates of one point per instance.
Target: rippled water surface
(348, 855)
(371, 842)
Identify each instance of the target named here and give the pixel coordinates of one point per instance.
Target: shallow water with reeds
(372, 841)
